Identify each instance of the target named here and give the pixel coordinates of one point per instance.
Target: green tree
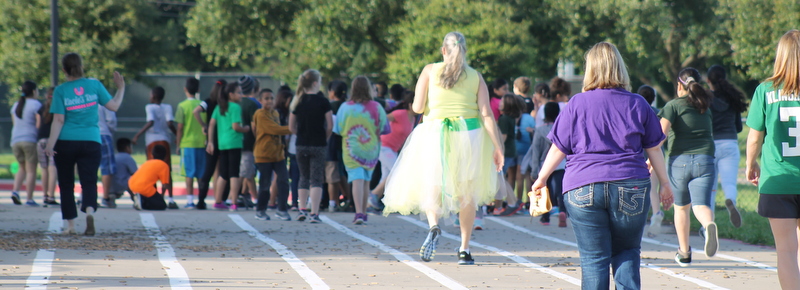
(497, 45)
(755, 26)
(125, 35)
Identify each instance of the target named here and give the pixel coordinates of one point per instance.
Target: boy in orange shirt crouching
(143, 182)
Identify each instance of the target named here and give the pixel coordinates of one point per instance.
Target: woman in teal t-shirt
(226, 121)
(774, 121)
(75, 137)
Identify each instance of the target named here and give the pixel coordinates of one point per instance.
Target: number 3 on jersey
(786, 113)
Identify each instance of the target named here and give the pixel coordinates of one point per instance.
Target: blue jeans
(692, 178)
(726, 162)
(608, 220)
(281, 178)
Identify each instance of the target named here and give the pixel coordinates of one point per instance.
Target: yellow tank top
(461, 100)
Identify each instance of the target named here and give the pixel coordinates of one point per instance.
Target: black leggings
(208, 172)
(85, 154)
(554, 185)
(282, 180)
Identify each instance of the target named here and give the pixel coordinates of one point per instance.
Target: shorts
(358, 173)
(25, 152)
(779, 206)
(692, 178)
(510, 162)
(193, 162)
(229, 162)
(107, 163)
(247, 168)
(332, 174)
(162, 143)
(44, 160)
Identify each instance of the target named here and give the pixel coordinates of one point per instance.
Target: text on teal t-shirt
(78, 100)
(229, 138)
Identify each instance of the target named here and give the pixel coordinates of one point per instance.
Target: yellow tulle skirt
(445, 165)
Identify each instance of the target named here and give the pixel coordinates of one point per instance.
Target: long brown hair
(786, 71)
(698, 97)
(361, 90)
(455, 61)
(72, 64)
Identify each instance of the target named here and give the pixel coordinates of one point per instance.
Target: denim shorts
(107, 163)
(509, 162)
(692, 178)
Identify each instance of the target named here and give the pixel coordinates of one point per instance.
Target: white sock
(463, 250)
(170, 199)
(190, 199)
(90, 210)
(331, 204)
(71, 224)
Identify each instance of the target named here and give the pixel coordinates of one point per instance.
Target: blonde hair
(455, 59)
(605, 68)
(361, 90)
(523, 85)
(304, 82)
(786, 72)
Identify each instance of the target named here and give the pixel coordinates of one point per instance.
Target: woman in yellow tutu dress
(451, 162)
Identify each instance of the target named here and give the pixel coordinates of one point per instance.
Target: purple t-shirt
(604, 132)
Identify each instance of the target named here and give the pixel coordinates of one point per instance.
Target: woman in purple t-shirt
(604, 131)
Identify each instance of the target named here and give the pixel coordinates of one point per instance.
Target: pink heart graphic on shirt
(78, 91)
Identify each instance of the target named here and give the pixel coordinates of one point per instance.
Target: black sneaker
(108, 203)
(51, 201)
(314, 219)
(201, 206)
(736, 218)
(684, 259)
(247, 200)
(262, 215)
(172, 205)
(465, 258)
(15, 198)
(283, 215)
(428, 249)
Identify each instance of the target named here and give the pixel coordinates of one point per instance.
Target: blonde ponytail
(455, 60)
(304, 82)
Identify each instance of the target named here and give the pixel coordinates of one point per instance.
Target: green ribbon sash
(452, 124)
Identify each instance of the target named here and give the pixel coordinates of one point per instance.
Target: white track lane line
(696, 281)
(302, 269)
(178, 279)
(400, 256)
(43, 263)
(723, 256)
(512, 256)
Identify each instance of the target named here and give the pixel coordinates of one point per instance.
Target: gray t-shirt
(125, 166)
(24, 129)
(106, 120)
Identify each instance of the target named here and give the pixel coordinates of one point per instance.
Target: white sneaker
(655, 223)
(137, 201)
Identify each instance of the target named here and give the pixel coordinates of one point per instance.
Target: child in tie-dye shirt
(360, 122)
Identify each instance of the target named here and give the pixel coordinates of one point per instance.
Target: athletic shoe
(497, 211)
(478, 226)
(248, 201)
(545, 219)
(509, 211)
(233, 207)
(201, 205)
(655, 223)
(465, 258)
(302, 216)
(69, 232)
(262, 215)
(172, 205)
(51, 201)
(89, 225)
(562, 220)
(283, 215)
(375, 202)
(137, 201)
(359, 219)
(428, 249)
(712, 240)
(220, 206)
(31, 203)
(15, 198)
(736, 218)
(294, 208)
(190, 205)
(108, 203)
(684, 259)
(314, 219)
